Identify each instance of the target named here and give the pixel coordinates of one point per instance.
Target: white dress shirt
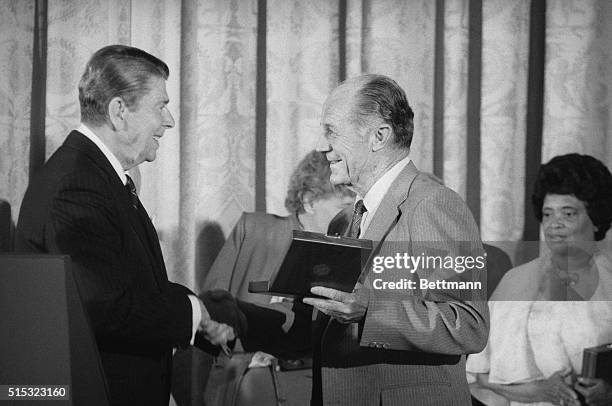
(86, 131)
(379, 189)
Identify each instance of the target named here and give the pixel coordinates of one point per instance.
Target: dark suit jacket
(410, 347)
(77, 205)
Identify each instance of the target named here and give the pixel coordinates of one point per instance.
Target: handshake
(222, 320)
(225, 318)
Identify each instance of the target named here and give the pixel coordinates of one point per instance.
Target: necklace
(579, 283)
(570, 279)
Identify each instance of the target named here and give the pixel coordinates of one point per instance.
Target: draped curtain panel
(578, 79)
(505, 33)
(456, 26)
(396, 38)
(301, 67)
(217, 159)
(249, 73)
(75, 30)
(16, 36)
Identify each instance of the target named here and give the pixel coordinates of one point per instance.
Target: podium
(45, 335)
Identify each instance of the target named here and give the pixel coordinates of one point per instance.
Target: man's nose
(322, 144)
(167, 119)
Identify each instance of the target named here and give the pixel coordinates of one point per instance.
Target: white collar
(377, 192)
(86, 131)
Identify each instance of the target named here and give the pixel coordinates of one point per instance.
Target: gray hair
(116, 71)
(380, 97)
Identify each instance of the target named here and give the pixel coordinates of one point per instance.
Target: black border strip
(473, 108)
(261, 108)
(535, 113)
(438, 92)
(39, 88)
(342, 10)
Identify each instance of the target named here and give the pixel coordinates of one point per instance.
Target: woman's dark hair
(582, 176)
(310, 181)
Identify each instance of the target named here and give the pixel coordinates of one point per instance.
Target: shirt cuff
(196, 316)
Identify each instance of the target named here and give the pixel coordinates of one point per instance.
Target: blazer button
(379, 345)
(386, 346)
(372, 344)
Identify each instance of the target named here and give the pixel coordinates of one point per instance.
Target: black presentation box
(597, 362)
(315, 259)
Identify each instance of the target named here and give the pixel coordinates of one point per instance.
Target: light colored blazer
(411, 346)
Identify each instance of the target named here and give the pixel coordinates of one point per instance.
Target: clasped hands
(342, 306)
(222, 321)
(563, 388)
(215, 332)
(596, 392)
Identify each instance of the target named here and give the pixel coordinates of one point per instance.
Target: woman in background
(256, 246)
(545, 312)
(253, 251)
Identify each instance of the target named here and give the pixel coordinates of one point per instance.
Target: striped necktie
(356, 221)
(132, 189)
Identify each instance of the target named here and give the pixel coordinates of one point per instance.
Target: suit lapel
(142, 225)
(386, 216)
(389, 210)
(388, 213)
(138, 219)
(154, 243)
(383, 221)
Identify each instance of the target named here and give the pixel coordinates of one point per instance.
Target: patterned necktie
(132, 189)
(356, 221)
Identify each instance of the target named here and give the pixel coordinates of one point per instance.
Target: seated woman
(256, 246)
(252, 252)
(545, 312)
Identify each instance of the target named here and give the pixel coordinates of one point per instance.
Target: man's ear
(381, 136)
(116, 113)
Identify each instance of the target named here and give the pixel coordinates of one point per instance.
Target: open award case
(315, 259)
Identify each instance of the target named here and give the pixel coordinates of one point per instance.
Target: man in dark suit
(392, 344)
(83, 204)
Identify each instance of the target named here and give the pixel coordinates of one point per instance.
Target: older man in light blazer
(381, 345)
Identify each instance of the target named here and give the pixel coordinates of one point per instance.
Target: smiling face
(566, 223)
(145, 123)
(346, 146)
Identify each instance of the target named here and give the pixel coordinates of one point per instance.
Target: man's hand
(596, 392)
(557, 390)
(220, 306)
(342, 306)
(217, 333)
